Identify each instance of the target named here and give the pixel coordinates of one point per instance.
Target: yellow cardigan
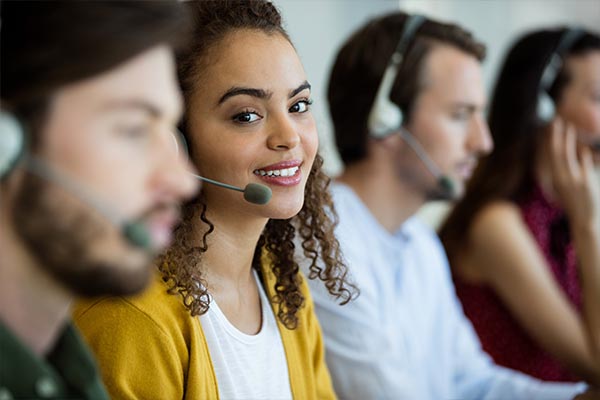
(150, 347)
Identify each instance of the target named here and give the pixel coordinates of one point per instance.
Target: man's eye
(135, 132)
(461, 115)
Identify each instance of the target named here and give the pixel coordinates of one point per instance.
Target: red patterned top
(501, 335)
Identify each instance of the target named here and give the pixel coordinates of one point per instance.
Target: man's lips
(465, 169)
(160, 225)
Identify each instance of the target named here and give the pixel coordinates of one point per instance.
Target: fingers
(566, 159)
(558, 162)
(572, 170)
(587, 163)
(588, 175)
(570, 153)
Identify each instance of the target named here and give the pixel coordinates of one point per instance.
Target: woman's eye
(301, 107)
(246, 117)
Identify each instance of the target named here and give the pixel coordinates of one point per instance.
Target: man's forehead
(451, 72)
(147, 82)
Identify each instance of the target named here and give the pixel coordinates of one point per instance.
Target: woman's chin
(284, 211)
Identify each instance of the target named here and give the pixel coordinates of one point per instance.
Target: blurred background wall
(319, 27)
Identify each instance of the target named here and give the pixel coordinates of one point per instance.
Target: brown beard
(60, 235)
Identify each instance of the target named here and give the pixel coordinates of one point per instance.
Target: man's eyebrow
(304, 85)
(470, 107)
(134, 104)
(239, 91)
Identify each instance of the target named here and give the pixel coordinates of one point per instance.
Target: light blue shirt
(406, 336)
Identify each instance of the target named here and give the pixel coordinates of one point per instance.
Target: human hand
(573, 179)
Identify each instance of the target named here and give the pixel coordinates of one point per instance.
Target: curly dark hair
(181, 264)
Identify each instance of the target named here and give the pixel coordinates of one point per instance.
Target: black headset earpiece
(545, 107)
(12, 142)
(386, 117)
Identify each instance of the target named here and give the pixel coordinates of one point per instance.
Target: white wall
(319, 27)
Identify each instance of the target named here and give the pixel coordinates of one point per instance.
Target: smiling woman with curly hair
(230, 314)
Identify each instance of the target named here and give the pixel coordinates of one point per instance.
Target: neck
(33, 306)
(231, 246)
(389, 199)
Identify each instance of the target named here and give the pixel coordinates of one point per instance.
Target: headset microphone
(444, 182)
(135, 232)
(13, 152)
(254, 193)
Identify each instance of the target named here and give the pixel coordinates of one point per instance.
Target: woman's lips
(286, 173)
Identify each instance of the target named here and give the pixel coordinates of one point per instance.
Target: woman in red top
(524, 241)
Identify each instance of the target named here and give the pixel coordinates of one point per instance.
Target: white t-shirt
(247, 366)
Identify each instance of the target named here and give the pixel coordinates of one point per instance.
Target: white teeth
(277, 172)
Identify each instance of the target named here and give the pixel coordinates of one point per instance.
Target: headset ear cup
(12, 142)
(384, 119)
(546, 109)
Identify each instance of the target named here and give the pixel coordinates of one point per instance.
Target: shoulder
(347, 204)
(153, 309)
(497, 218)
(422, 239)
(500, 239)
(147, 346)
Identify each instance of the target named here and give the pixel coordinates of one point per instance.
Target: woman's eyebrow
(239, 91)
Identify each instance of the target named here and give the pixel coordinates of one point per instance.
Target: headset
(13, 152)
(12, 142)
(545, 107)
(386, 118)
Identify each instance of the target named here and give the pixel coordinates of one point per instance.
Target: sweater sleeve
(324, 387)
(138, 359)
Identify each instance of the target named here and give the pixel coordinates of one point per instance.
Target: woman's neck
(231, 246)
(227, 265)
